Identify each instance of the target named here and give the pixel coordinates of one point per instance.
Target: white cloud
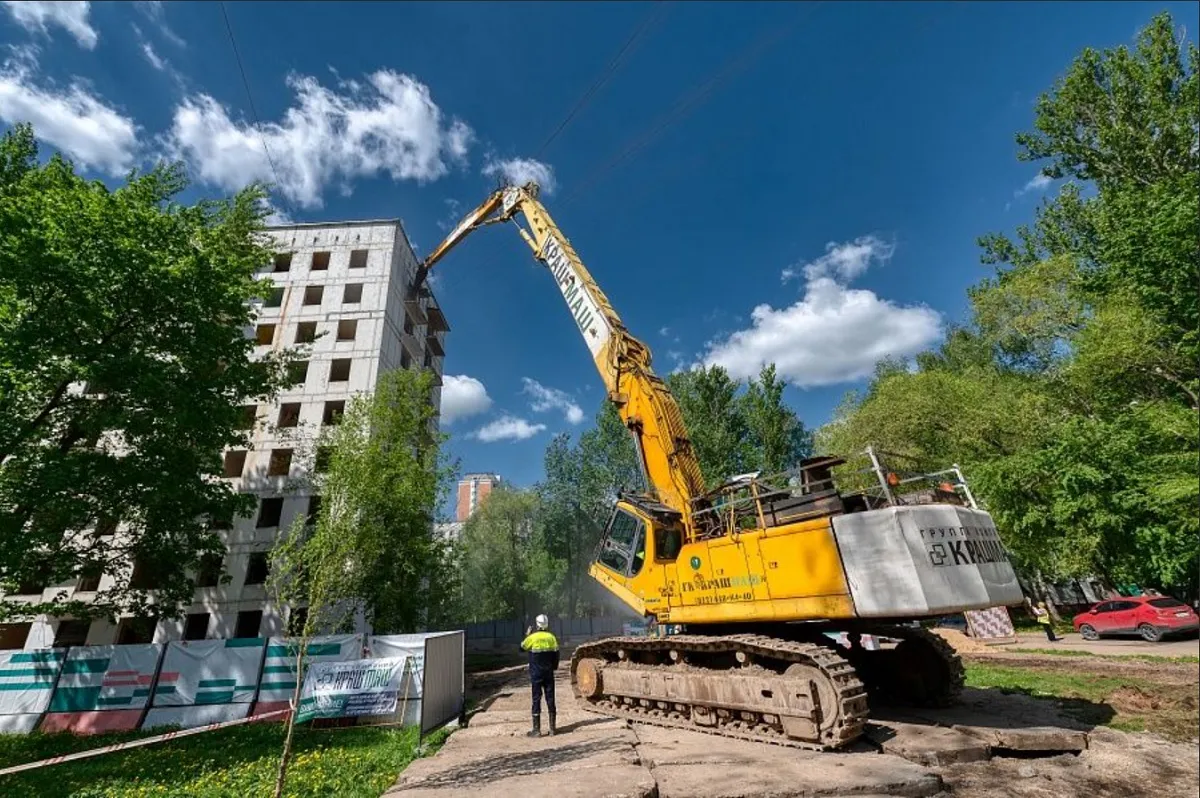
(93, 134)
(1038, 182)
(153, 9)
(833, 333)
(507, 428)
(843, 262)
(328, 136)
(519, 171)
(38, 15)
(463, 396)
(545, 399)
(453, 214)
(153, 57)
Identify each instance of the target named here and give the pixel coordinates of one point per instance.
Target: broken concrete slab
(691, 765)
(926, 744)
(1035, 738)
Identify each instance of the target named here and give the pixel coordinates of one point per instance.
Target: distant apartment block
(340, 288)
(472, 489)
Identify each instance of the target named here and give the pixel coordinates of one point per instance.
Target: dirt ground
(1027, 700)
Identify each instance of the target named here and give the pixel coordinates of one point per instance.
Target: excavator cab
(641, 540)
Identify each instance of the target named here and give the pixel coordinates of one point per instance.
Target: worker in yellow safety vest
(542, 646)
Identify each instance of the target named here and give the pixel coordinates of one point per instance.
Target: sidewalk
(594, 756)
(1117, 646)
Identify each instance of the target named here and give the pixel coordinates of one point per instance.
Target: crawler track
(839, 724)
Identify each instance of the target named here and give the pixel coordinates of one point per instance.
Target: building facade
(341, 289)
(472, 489)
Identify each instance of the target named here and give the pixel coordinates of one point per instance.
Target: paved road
(1175, 647)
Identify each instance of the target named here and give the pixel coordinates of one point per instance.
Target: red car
(1152, 617)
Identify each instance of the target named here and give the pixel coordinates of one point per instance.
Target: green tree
(778, 439)
(371, 546)
(501, 556)
(1071, 396)
(383, 473)
(123, 364)
(712, 413)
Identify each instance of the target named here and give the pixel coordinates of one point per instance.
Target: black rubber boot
(552, 729)
(536, 731)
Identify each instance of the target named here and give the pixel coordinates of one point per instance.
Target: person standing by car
(1042, 616)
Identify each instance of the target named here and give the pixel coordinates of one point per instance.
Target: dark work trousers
(543, 683)
(1050, 633)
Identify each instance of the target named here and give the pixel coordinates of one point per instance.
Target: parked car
(1152, 617)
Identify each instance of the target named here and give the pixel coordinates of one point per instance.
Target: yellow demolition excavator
(772, 594)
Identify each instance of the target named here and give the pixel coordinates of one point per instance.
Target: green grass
(1120, 702)
(239, 762)
(1071, 652)
(1046, 684)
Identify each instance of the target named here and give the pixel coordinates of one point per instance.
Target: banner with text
(350, 689)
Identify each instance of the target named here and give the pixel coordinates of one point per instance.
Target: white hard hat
(542, 621)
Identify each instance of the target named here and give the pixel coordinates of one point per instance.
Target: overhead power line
(693, 99)
(657, 13)
(250, 99)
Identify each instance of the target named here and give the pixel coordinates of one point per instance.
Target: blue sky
(800, 183)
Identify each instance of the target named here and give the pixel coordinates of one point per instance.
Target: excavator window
(667, 542)
(624, 547)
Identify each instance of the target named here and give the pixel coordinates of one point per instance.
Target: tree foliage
(123, 364)
(372, 545)
(1071, 396)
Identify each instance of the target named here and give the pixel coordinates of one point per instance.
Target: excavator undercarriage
(804, 692)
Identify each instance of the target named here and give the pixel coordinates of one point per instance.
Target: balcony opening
(209, 572)
(283, 262)
(298, 373)
(333, 413)
(235, 463)
(275, 299)
(320, 261)
(306, 332)
(264, 334)
(346, 329)
(280, 463)
(89, 578)
(257, 568)
(358, 259)
(248, 623)
(132, 631)
(196, 626)
(247, 416)
(313, 294)
(269, 512)
(352, 294)
(71, 633)
(289, 414)
(339, 370)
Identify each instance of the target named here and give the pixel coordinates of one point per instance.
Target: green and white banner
(279, 668)
(27, 679)
(350, 689)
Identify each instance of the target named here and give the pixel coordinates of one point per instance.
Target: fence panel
(27, 681)
(445, 680)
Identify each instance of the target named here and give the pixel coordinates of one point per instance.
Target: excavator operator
(542, 646)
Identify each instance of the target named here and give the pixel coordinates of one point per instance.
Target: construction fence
(499, 634)
(193, 683)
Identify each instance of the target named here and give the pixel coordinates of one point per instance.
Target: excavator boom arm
(643, 400)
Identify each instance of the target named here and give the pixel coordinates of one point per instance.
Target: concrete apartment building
(341, 288)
